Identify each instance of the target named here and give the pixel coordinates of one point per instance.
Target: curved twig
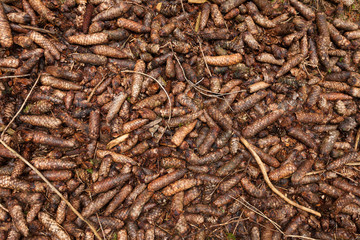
(268, 182)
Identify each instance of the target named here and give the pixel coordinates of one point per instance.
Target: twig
(357, 140)
(232, 220)
(102, 230)
(198, 39)
(218, 184)
(94, 89)
(346, 177)
(197, 24)
(35, 169)
(157, 81)
(267, 180)
(353, 164)
(302, 237)
(315, 172)
(3, 208)
(127, 40)
(37, 29)
(22, 106)
(254, 209)
(277, 226)
(201, 90)
(14, 76)
(51, 186)
(203, 56)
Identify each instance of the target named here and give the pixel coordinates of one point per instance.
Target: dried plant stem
(353, 164)
(94, 89)
(157, 81)
(22, 106)
(201, 90)
(257, 211)
(203, 56)
(232, 220)
(3, 208)
(51, 186)
(268, 182)
(35, 169)
(14, 76)
(277, 226)
(315, 172)
(357, 140)
(102, 230)
(301, 237)
(37, 29)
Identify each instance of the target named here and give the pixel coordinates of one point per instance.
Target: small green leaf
(8, 90)
(329, 70)
(341, 59)
(128, 99)
(114, 236)
(230, 236)
(27, 108)
(89, 170)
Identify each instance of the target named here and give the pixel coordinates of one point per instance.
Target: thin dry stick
(94, 89)
(203, 56)
(357, 140)
(315, 172)
(198, 38)
(353, 164)
(199, 89)
(14, 76)
(35, 169)
(277, 226)
(232, 220)
(37, 29)
(254, 209)
(157, 81)
(3, 208)
(268, 182)
(197, 24)
(302, 237)
(22, 106)
(51, 186)
(102, 230)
